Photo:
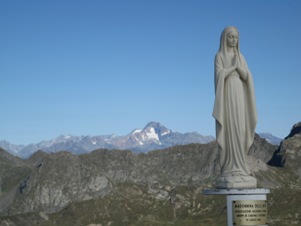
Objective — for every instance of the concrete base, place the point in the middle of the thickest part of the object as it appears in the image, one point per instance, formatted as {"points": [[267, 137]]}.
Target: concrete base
{"points": [[249, 216], [238, 182]]}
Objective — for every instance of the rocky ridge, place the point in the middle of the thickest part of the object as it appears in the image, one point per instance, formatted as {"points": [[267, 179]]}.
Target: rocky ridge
{"points": [[58, 179]]}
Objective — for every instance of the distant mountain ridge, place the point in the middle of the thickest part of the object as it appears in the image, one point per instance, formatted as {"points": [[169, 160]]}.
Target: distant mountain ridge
{"points": [[270, 138], [153, 136]]}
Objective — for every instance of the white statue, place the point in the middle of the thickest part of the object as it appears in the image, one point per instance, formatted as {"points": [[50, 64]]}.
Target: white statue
{"points": [[234, 112]]}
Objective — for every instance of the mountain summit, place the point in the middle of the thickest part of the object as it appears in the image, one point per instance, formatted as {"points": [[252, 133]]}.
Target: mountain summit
{"points": [[156, 136], [151, 133], [157, 128]]}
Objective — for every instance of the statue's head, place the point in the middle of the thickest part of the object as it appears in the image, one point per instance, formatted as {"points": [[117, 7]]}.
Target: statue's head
{"points": [[225, 42]]}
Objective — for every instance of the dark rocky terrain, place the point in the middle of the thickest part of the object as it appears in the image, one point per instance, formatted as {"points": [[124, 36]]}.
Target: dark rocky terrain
{"points": [[163, 187]]}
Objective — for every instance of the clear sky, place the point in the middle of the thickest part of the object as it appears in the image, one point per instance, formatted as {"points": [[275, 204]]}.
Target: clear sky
{"points": [[100, 67]]}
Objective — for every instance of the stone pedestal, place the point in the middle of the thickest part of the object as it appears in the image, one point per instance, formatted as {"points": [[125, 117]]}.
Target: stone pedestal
{"points": [[236, 182], [245, 207]]}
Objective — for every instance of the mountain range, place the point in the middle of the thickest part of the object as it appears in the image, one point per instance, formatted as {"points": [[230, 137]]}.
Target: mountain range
{"points": [[153, 136], [270, 138]]}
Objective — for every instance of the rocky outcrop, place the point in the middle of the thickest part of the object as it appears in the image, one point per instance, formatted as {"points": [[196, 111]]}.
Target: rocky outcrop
{"points": [[262, 149], [61, 179], [289, 151], [13, 171], [64, 178]]}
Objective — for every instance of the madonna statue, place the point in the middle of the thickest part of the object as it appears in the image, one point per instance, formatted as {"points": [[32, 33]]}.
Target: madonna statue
{"points": [[234, 112]]}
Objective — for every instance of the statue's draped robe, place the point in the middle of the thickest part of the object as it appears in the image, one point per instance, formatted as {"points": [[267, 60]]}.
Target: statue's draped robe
{"points": [[235, 115]]}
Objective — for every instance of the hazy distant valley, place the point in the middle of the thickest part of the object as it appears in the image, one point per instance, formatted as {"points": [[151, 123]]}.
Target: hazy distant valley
{"points": [[162, 187]]}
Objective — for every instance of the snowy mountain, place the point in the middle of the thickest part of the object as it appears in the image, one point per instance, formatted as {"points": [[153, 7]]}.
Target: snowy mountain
{"points": [[152, 136], [12, 148], [270, 138]]}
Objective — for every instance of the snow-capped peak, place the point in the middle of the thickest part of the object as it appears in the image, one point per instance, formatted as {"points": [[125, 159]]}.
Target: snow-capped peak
{"points": [[151, 134], [159, 129], [136, 131]]}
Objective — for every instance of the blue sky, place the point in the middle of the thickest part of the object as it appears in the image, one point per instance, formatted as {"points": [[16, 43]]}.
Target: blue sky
{"points": [[100, 67]]}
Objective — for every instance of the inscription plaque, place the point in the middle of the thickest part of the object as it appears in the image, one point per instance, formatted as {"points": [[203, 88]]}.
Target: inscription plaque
{"points": [[249, 212]]}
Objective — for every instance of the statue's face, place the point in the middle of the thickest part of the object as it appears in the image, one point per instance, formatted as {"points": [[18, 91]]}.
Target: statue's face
{"points": [[232, 39]]}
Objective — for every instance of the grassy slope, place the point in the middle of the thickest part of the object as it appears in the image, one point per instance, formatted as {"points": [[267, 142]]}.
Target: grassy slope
{"points": [[134, 205]]}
